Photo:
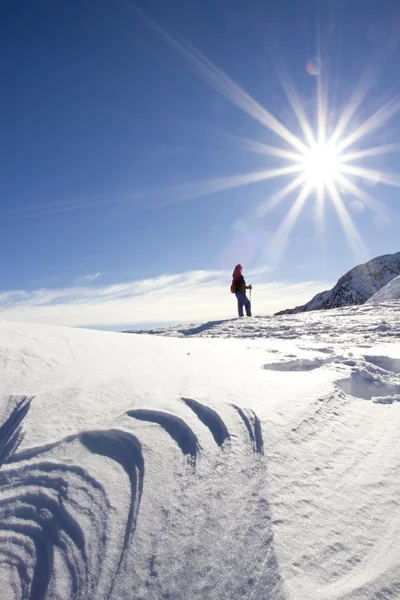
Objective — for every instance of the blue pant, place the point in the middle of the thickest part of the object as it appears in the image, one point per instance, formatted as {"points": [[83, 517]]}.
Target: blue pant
{"points": [[243, 300]]}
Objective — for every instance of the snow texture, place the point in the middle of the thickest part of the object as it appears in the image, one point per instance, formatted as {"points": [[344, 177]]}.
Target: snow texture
{"points": [[251, 458], [356, 286]]}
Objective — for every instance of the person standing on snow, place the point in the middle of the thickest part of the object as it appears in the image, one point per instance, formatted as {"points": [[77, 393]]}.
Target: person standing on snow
{"points": [[240, 293]]}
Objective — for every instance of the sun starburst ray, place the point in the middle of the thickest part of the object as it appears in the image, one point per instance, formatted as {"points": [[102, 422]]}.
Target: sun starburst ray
{"points": [[375, 205], [275, 199], [222, 83], [321, 114], [191, 191], [379, 118], [261, 148], [319, 207], [315, 159], [294, 101], [349, 229], [372, 175], [352, 107], [321, 106], [279, 240], [367, 80], [369, 152]]}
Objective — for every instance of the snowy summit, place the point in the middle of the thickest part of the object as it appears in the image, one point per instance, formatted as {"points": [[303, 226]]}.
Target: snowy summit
{"points": [[254, 458], [356, 286]]}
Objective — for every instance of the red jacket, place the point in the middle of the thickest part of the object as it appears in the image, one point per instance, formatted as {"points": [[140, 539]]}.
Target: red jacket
{"points": [[240, 284]]}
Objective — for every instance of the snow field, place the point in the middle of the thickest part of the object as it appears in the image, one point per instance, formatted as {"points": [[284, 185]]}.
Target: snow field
{"points": [[261, 463]]}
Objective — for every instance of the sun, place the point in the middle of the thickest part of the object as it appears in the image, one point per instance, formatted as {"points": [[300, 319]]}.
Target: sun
{"points": [[321, 164], [324, 157]]}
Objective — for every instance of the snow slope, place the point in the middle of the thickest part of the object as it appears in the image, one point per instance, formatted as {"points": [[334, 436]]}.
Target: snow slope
{"points": [[356, 286], [254, 458], [391, 291]]}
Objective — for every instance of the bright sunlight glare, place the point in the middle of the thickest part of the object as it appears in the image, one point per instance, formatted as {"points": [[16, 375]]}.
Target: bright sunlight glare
{"points": [[320, 168], [321, 165]]}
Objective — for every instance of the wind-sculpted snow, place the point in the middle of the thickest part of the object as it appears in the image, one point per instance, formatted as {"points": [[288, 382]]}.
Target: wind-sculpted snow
{"points": [[174, 426], [37, 513], [319, 416], [55, 517], [201, 552], [150, 468], [65, 532], [185, 437], [211, 419], [253, 426], [125, 449], [11, 430]]}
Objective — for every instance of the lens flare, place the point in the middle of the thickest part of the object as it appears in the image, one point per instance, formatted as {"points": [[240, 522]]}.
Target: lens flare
{"points": [[313, 67]]}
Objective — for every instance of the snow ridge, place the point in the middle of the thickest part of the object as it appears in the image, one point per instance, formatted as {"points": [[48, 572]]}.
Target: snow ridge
{"points": [[211, 419], [174, 426]]}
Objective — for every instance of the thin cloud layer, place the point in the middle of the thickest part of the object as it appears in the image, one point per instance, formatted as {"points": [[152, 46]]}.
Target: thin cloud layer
{"points": [[191, 296], [87, 278]]}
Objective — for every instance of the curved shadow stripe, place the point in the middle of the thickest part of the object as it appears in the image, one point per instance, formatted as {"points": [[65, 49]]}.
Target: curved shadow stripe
{"points": [[37, 508], [39, 504], [125, 449], [258, 435], [174, 426], [11, 430], [50, 520], [246, 421], [210, 419], [253, 426]]}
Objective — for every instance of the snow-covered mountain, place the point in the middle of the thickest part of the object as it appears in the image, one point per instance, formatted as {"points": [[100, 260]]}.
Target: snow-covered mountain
{"points": [[356, 286], [251, 459], [391, 291]]}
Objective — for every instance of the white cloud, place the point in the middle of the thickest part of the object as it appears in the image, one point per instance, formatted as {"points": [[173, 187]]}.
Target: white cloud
{"points": [[191, 296]]}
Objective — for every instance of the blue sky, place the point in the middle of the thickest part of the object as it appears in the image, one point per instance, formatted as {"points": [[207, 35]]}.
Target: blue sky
{"points": [[126, 127]]}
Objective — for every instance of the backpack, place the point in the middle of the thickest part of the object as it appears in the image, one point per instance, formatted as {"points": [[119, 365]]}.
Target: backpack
{"points": [[233, 288]]}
